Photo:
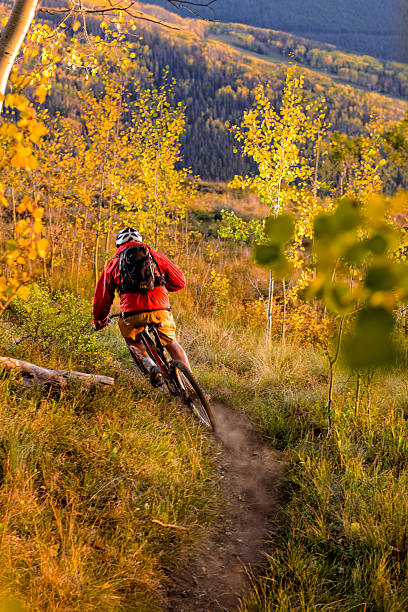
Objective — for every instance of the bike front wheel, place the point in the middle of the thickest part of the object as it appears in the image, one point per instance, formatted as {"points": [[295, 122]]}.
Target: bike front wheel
{"points": [[193, 396]]}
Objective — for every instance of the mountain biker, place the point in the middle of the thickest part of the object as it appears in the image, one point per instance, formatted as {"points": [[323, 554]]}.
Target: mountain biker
{"points": [[141, 308]]}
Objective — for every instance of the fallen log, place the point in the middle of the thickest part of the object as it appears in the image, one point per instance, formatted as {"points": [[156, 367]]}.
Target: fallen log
{"points": [[63, 377]]}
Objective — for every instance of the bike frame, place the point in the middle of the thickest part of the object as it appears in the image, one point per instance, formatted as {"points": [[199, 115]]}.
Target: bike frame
{"points": [[155, 350], [170, 371]]}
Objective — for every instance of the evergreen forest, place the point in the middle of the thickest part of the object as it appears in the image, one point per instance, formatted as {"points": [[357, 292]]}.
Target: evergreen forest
{"points": [[367, 27]]}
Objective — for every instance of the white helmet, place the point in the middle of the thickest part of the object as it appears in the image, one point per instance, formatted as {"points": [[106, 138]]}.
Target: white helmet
{"points": [[129, 234]]}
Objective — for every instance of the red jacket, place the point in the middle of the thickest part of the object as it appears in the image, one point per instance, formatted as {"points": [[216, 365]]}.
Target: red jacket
{"points": [[157, 299]]}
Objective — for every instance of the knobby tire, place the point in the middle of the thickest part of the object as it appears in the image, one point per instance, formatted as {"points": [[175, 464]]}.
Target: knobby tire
{"points": [[195, 397]]}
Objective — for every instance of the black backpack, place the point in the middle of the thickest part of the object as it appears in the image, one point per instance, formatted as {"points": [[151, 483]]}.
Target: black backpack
{"points": [[137, 270]]}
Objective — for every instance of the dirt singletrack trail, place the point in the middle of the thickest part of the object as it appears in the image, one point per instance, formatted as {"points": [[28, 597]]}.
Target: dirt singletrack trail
{"points": [[215, 575]]}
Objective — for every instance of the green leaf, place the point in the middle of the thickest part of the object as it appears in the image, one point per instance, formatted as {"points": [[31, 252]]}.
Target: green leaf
{"points": [[267, 255], [272, 257], [381, 278], [345, 218], [356, 254], [371, 343], [279, 230], [378, 244], [338, 298], [11, 245]]}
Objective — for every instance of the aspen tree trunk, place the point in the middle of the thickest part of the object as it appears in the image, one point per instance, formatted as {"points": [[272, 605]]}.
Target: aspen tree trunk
{"points": [[155, 210], [186, 235], [316, 170], [98, 222], [13, 202], [284, 313], [108, 233], [81, 249], [12, 38], [269, 313]]}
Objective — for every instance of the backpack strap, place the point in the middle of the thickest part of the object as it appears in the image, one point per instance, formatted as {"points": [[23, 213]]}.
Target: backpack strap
{"points": [[158, 267]]}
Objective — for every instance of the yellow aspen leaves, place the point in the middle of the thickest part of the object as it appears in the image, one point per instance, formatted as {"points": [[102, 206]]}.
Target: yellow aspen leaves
{"points": [[23, 158], [23, 292], [40, 93], [37, 227], [3, 200], [42, 248], [27, 244]]}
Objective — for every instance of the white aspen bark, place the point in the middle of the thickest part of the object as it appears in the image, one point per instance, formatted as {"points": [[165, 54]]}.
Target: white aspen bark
{"points": [[269, 313], [12, 38]]}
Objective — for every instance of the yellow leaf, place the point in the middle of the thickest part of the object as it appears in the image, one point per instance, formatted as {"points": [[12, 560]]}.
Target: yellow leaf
{"points": [[38, 213], [40, 93], [23, 292], [28, 203], [21, 227], [42, 247], [17, 101], [23, 158], [76, 25], [37, 130], [38, 227]]}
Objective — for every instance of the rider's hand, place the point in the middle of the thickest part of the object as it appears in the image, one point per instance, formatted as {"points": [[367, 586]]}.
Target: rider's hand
{"points": [[101, 324]]}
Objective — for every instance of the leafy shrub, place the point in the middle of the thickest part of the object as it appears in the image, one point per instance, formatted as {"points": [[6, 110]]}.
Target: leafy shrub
{"points": [[58, 322]]}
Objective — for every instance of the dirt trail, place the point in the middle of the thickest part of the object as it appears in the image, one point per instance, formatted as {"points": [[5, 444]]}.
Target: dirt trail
{"points": [[215, 575]]}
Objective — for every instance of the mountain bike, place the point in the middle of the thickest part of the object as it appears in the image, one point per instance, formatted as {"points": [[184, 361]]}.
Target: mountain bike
{"points": [[179, 380]]}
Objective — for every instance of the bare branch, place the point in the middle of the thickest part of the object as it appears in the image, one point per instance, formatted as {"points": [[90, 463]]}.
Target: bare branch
{"points": [[119, 7], [112, 10]]}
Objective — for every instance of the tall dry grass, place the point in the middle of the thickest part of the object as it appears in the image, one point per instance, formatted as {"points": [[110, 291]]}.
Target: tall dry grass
{"points": [[85, 473]]}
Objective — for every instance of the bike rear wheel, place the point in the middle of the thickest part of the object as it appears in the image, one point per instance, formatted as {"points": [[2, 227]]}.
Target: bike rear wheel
{"points": [[193, 395]]}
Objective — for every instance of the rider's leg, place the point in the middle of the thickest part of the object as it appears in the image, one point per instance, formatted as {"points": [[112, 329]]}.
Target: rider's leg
{"points": [[140, 351], [177, 352], [137, 347]]}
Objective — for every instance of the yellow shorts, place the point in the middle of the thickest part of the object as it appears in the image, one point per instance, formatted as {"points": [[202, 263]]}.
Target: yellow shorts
{"points": [[131, 327]]}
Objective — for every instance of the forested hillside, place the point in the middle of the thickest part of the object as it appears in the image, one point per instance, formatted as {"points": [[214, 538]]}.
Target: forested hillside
{"points": [[362, 70], [215, 82], [367, 26]]}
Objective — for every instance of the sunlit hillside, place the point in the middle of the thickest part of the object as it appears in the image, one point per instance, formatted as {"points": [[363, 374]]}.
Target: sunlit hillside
{"points": [[216, 79], [369, 27]]}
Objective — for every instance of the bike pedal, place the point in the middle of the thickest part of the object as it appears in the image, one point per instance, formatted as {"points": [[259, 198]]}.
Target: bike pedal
{"points": [[156, 377]]}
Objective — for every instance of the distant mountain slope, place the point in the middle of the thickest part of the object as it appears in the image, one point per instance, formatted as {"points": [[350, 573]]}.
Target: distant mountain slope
{"points": [[364, 71], [215, 81], [367, 26]]}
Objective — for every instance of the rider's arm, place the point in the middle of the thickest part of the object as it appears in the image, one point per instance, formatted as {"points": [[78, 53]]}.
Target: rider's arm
{"points": [[173, 275], [104, 295]]}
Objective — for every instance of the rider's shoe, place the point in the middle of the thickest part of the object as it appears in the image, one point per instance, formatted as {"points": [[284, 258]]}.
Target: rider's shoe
{"points": [[156, 378]]}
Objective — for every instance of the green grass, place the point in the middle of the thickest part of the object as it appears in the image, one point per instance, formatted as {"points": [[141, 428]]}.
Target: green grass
{"points": [[343, 544], [84, 474]]}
